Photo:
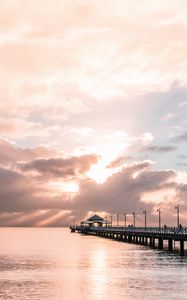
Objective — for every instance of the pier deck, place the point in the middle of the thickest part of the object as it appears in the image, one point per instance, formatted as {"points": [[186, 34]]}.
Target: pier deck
{"points": [[150, 236]]}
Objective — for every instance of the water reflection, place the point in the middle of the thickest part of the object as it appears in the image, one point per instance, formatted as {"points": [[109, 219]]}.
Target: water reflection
{"points": [[55, 264], [98, 272]]}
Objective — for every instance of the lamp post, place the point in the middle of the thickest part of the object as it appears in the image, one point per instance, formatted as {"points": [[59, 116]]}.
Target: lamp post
{"points": [[177, 208], [111, 220], [145, 213], [134, 223], [159, 217], [125, 219], [74, 220], [117, 219], [106, 220]]}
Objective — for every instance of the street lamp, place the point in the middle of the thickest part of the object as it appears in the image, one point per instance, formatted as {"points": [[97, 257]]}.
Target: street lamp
{"points": [[125, 219], [159, 217], [111, 220], [106, 220], [117, 219], [177, 208], [145, 213], [74, 220], [133, 219]]}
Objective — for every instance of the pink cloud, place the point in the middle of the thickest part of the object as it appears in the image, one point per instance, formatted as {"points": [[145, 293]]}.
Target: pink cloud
{"points": [[12, 154]]}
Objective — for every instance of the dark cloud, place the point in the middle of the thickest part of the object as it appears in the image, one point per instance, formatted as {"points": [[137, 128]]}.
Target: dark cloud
{"points": [[161, 149], [21, 193], [123, 191], [61, 167], [26, 201]]}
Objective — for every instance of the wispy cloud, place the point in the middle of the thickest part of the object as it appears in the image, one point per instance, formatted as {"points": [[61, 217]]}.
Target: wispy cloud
{"points": [[181, 137], [161, 149]]}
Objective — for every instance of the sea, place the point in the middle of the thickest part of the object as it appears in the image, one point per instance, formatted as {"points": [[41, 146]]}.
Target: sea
{"points": [[53, 263]]}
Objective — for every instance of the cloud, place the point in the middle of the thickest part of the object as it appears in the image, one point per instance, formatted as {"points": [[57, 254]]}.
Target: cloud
{"points": [[84, 131], [124, 191], [33, 203], [181, 137], [18, 193], [183, 104], [119, 161], [161, 149], [9, 153], [61, 167], [170, 116]]}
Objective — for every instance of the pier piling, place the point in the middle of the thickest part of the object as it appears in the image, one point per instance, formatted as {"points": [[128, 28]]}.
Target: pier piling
{"points": [[141, 235]]}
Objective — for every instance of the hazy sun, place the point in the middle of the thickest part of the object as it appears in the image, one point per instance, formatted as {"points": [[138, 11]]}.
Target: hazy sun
{"points": [[68, 187], [71, 187], [100, 171], [108, 151]]}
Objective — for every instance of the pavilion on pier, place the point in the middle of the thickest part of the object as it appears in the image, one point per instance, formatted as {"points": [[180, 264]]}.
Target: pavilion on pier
{"points": [[95, 221]]}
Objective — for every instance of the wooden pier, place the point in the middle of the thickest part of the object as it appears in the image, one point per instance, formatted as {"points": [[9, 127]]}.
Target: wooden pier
{"points": [[149, 236]]}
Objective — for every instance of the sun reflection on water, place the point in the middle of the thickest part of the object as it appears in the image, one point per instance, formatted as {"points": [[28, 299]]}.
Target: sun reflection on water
{"points": [[98, 274]]}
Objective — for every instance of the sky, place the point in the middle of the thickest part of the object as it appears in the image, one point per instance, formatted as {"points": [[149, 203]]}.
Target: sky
{"points": [[93, 111]]}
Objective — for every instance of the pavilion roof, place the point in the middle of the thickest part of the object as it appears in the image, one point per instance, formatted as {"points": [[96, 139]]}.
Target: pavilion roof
{"points": [[95, 218]]}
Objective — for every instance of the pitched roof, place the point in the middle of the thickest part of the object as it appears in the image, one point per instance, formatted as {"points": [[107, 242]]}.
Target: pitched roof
{"points": [[95, 218]]}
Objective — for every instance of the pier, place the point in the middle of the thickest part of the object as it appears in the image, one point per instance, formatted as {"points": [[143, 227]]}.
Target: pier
{"points": [[155, 237]]}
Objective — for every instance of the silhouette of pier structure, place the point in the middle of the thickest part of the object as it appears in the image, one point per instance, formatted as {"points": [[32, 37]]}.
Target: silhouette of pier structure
{"points": [[155, 237]]}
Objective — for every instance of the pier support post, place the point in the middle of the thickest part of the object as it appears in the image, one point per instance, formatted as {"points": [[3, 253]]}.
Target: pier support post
{"points": [[182, 247], [152, 242], [138, 237], [160, 243], [170, 245]]}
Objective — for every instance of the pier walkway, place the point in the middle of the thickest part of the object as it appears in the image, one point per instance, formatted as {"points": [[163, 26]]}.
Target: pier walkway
{"points": [[150, 236]]}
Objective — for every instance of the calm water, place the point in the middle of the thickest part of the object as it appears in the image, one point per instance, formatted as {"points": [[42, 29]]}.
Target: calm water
{"points": [[56, 264]]}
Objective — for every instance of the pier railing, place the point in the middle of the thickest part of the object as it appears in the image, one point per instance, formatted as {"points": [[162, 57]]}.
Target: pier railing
{"points": [[143, 230]]}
